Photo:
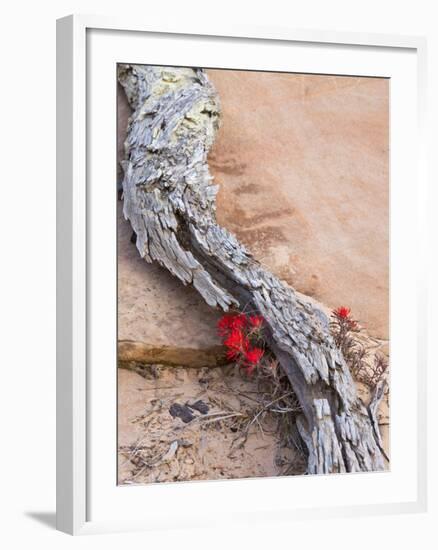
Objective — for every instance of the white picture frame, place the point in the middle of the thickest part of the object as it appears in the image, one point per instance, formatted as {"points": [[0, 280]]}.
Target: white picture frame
{"points": [[87, 49]]}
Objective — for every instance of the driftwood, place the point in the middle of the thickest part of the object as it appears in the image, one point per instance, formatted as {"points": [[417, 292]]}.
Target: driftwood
{"points": [[169, 198]]}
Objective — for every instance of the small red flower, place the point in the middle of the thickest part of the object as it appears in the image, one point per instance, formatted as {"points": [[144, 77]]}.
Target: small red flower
{"points": [[253, 356], [342, 312], [231, 321], [237, 344], [256, 321]]}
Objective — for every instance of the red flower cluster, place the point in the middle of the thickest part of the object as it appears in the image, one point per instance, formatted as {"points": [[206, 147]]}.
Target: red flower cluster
{"points": [[237, 344], [230, 322], [342, 314], [239, 332]]}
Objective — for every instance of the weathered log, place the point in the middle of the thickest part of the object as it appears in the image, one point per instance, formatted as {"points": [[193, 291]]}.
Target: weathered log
{"points": [[373, 408], [170, 200]]}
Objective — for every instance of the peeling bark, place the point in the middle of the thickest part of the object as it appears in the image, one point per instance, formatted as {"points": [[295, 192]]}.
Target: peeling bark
{"points": [[170, 200], [373, 408]]}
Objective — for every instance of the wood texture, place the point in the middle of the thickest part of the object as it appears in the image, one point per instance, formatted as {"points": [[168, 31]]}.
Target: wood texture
{"points": [[140, 352], [169, 198]]}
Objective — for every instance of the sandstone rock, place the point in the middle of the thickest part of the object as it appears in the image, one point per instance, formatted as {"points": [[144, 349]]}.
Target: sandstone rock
{"points": [[302, 163]]}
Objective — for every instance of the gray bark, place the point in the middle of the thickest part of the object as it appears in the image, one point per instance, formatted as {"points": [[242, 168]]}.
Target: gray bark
{"points": [[169, 198]]}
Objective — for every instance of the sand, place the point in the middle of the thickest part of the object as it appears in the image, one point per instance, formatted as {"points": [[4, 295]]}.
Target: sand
{"points": [[155, 447]]}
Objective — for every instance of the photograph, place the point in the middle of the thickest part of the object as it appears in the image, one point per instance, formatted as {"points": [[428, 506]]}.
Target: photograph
{"points": [[252, 274], [228, 218]]}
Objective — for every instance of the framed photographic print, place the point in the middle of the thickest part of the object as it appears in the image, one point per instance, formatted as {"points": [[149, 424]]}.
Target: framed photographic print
{"points": [[235, 210]]}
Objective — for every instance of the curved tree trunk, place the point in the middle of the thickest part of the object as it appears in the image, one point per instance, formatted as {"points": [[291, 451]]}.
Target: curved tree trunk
{"points": [[169, 198]]}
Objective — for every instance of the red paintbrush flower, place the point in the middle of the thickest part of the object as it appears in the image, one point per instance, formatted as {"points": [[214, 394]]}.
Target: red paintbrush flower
{"points": [[229, 322], [238, 333], [342, 312], [253, 356], [237, 344], [256, 321]]}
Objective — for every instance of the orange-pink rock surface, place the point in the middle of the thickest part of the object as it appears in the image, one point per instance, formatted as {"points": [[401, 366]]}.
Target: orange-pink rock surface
{"points": [[302, 162]]}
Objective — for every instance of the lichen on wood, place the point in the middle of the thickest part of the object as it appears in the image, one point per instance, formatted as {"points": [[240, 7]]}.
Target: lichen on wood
{"points": [[170, 201]]}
